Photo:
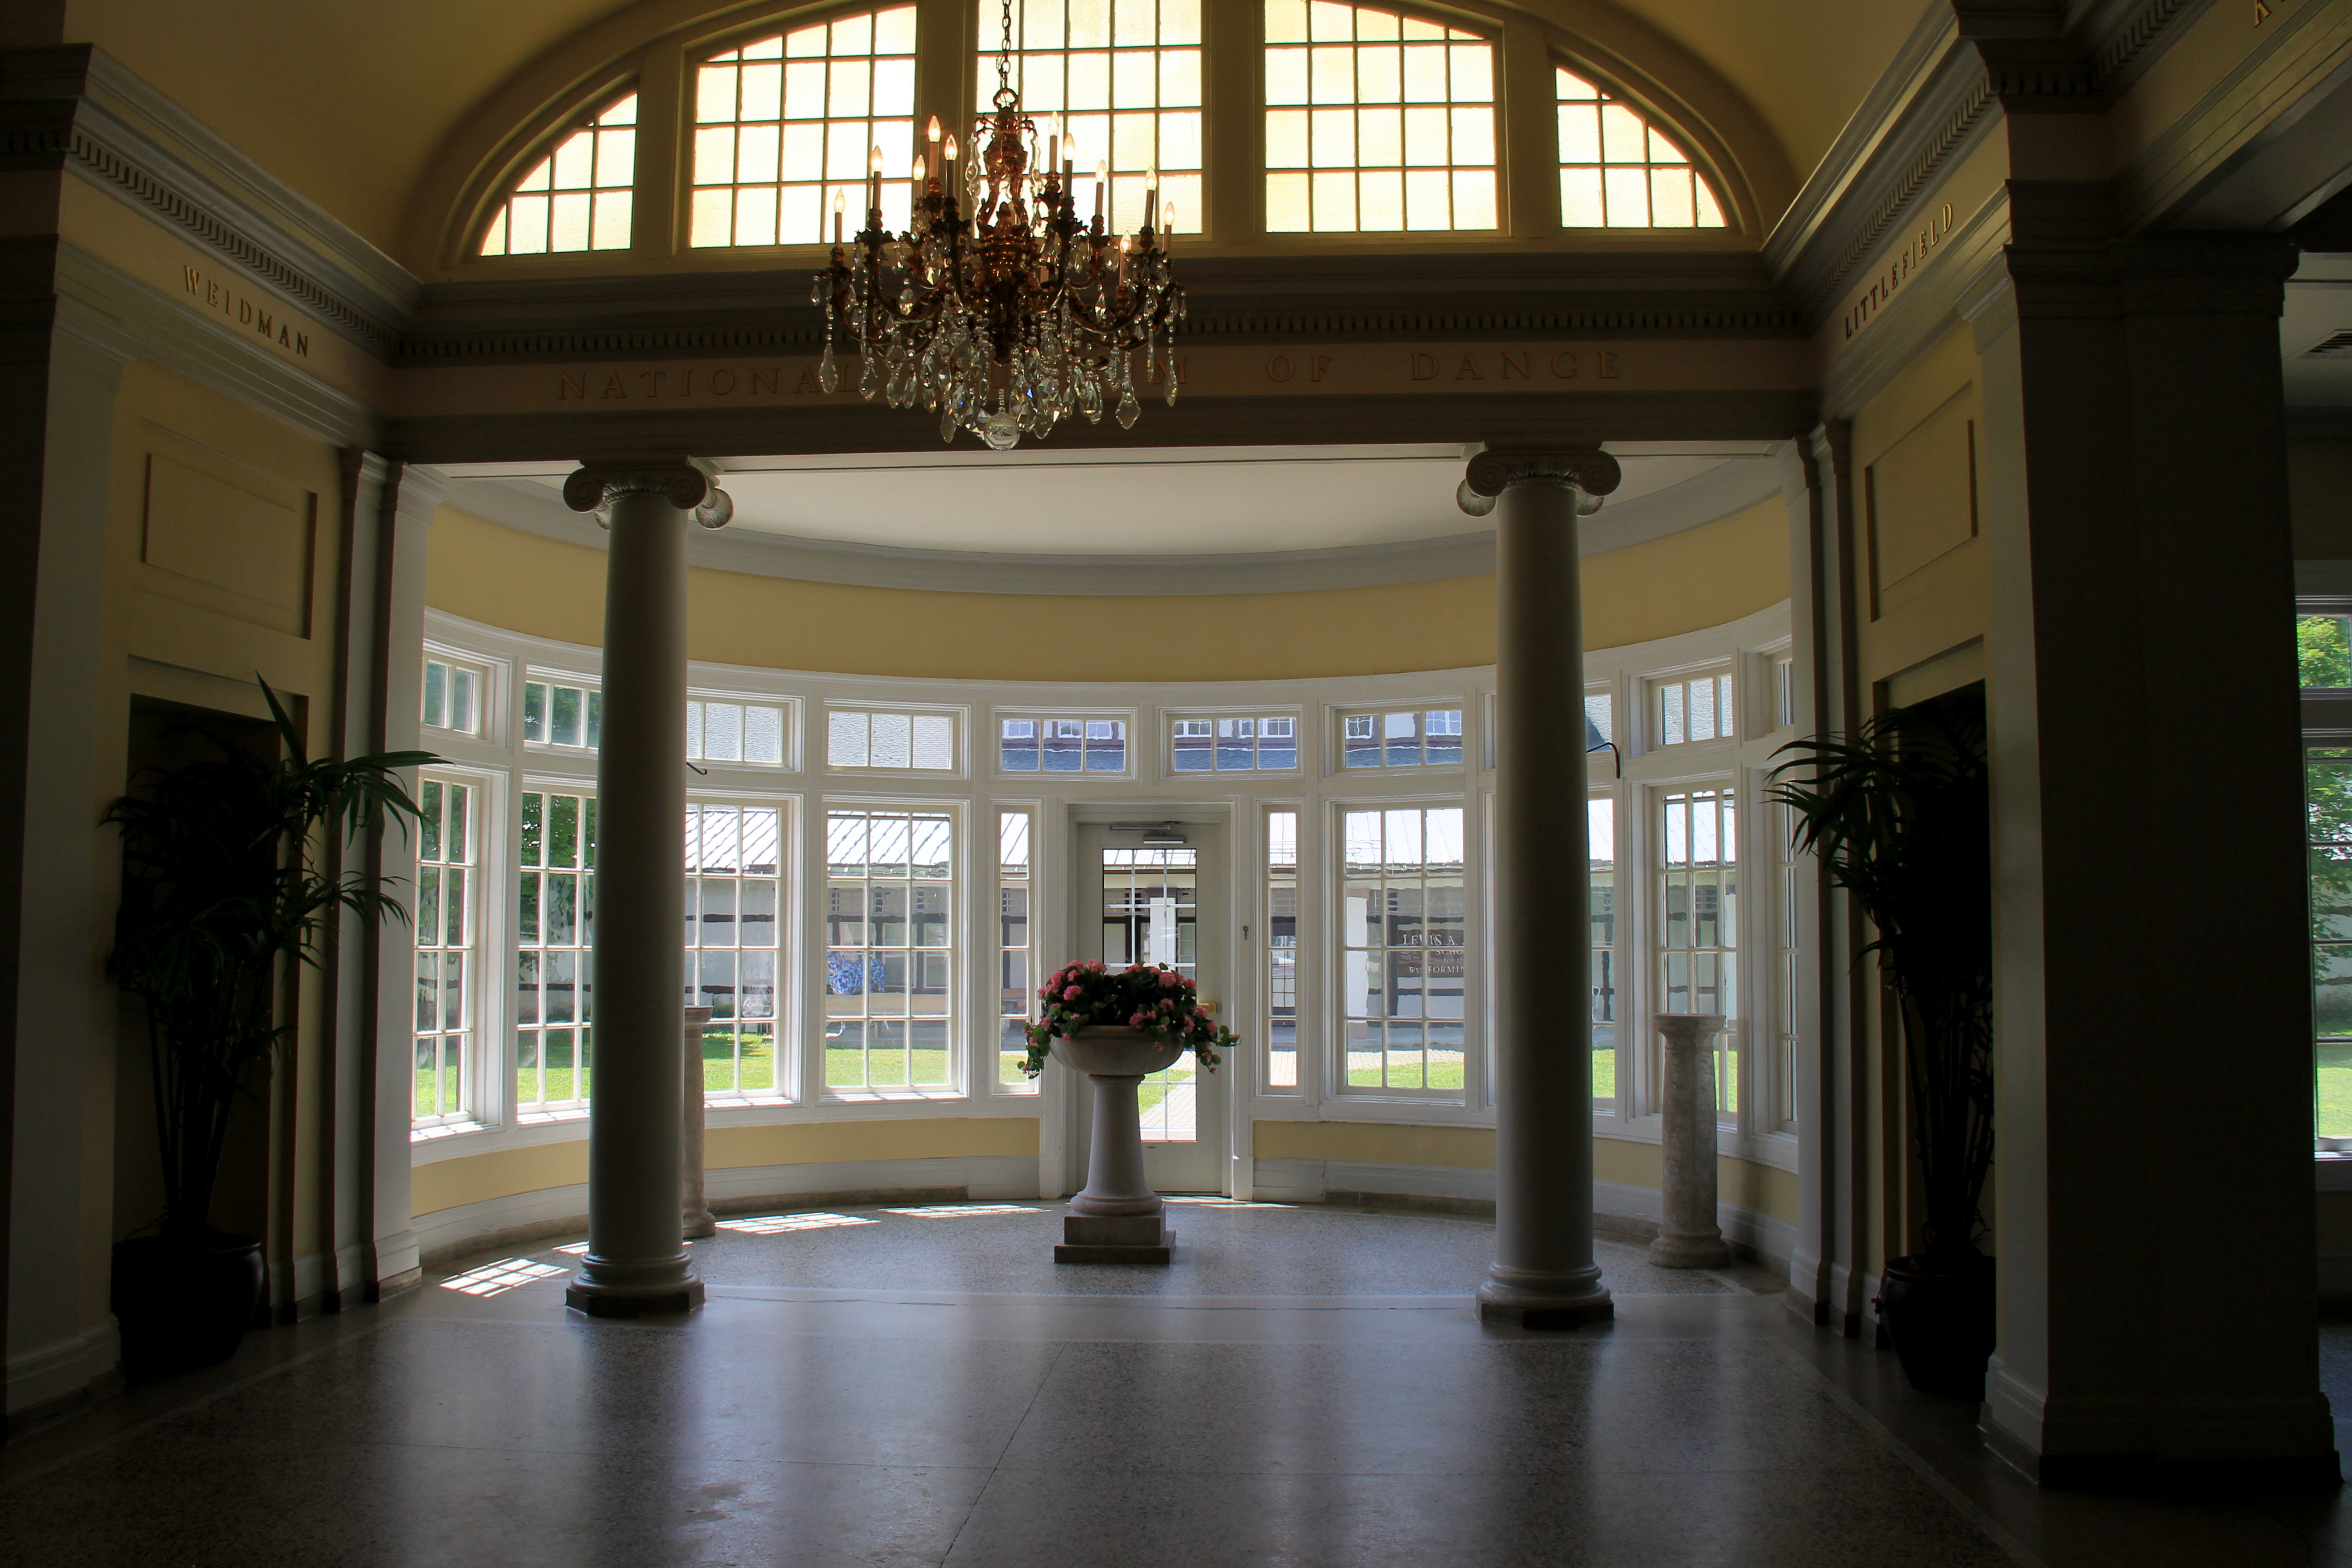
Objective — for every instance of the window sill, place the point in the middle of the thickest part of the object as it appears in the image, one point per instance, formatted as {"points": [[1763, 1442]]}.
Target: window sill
{"points": [[546, 1118], [2331, 1170], [445, 1129], [891, 1096]]}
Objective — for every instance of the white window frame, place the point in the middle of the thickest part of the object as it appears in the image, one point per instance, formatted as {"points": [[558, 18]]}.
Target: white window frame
{"points": [[1652, 687], [789, 719], [962, 875], [489, 699], [588, 686], [960, 742], [1131, 748], [1334, 736], [483, 1098], [1332, 941], [782, 1090], [1171, 716], [989, 998]]}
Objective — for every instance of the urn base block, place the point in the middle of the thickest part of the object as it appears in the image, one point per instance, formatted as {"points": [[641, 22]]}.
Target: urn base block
{"points": [[1115, 1238]]}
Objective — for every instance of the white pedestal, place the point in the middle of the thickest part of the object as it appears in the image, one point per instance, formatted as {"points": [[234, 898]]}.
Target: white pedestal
{"points": [[1118, 1218], [1689, 1237]]}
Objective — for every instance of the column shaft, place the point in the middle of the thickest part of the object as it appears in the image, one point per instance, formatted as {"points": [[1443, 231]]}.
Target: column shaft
{"points": [[1543, 1275]]}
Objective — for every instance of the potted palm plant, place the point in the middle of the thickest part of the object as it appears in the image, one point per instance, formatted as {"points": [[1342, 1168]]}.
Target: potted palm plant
{"points": [[1900, 816], [228, 884]]}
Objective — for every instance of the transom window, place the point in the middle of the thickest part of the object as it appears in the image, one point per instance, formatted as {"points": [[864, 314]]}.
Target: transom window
{"points": [[577, 197], [556, 714], [1402, 948], [555, 936], [1234, 745], [452, 696], [1061, 745], [923, 742], [1428, 738], [889, 997], [1124, 79], [733, 889], [1618, 171], [788, 124], [1376, 122], [1698, 708], [748, 732]]}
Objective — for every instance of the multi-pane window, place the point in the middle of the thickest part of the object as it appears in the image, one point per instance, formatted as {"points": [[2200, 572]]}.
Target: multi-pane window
{"points": [[923, 742], [1785, 974], [1600, 824], [1124, 78], [1618, 171], [734, 867], [1150, 914], [1784, 693], [2324, 651], [1427, 738], [752, 733], [1016, 966], [556, 714], [1061, 745], [1698, 920], [445, 957], [2327, 792], [1599, 720], [1695, 709], [889, 998], [1282, 950], [1376, 122], [579, 196], [1234, 745], [554, 932], [1401, 947], [452, 697], [785, 126]]}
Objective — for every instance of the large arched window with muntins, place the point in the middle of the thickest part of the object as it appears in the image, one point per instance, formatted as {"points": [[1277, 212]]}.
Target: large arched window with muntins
{"points": [[1376, 121], [1619, 171], [577, 197], [784, 124], [1124, 78]]}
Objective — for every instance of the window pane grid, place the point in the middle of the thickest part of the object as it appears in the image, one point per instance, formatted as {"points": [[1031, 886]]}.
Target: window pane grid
{"points": [[751, 733], [1282, 950], [1124, 76], [1016, 972], [1061, 745], [734, 889], [1402, 948], [577, 197], [1787, 976], [920, 742], [2327, 791], [1698, 920], [452, 697], [555, 715], [1686, 710], [1600, 824], [1618, 171], [1150, 914], [445, 950], [1428, 738], [1376, 122], [1232, 745], [555, 937], [888, 959], [786, 124], [2324, 651]]}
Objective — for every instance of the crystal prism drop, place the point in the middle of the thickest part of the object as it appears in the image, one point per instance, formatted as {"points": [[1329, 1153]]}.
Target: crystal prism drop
{"points": [[870, 382], [828, 375], [947, 425], [1003, 433], [1171, 390], [1128, 409]]}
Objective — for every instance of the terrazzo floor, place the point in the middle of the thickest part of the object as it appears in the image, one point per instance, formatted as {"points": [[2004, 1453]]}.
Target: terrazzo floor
{"points": [[1306, 1386]]}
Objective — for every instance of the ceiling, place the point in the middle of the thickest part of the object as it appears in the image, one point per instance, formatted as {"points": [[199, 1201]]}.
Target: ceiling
{"points": [[1149, 502], [350, 101]]}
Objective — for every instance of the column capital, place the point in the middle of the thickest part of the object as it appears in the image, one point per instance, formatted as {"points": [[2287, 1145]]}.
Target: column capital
{"points": [[1589, 468], [690, 484]]}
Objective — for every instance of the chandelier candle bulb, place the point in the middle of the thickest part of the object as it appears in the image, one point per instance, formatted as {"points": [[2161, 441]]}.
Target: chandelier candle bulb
{"points": [[1102, 183]]}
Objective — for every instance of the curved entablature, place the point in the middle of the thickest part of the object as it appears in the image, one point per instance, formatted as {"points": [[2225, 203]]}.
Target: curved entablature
{"points": [[1275, 126]]}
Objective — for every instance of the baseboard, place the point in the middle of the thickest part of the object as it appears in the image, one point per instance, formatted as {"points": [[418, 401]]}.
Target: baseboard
{"points": [[1628, 1211], [62, 1373], [448, 1234]]}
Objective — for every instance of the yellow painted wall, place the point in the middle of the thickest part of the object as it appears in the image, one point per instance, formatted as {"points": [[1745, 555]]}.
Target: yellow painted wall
{"points": [[1761, 1189], [1686, 581], [472, 1178]]}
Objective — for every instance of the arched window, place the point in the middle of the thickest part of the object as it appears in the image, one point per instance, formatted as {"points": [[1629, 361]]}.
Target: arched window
{"points": [[1126, 77], [577, 197], [1618, 171], [784, 124], [1375, 121]]}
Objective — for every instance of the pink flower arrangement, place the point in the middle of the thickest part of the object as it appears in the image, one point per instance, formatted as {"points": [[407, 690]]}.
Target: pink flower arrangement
{"points": [[1157, 1003]]}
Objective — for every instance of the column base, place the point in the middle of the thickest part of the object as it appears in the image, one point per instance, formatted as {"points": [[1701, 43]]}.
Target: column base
{"points": [[607, 1290], [1690, 1252], [699, 1224], [1104, 1239], [1546, 1303]]}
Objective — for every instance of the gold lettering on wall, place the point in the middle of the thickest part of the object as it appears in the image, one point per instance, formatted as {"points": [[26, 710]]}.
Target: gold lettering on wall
{"points": [[1899, 268], [257, 316]]}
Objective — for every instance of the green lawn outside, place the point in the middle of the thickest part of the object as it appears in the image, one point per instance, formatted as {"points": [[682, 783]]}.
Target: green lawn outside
{"points": [[2335, 1091], [1148, 1095], [847, 1069], [1404, 1071]]}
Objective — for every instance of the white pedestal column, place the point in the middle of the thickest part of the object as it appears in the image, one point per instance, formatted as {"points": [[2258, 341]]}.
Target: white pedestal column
{"points": [[1690, 1237], [698, 1220], [1543, 1276], [635, 1261]]}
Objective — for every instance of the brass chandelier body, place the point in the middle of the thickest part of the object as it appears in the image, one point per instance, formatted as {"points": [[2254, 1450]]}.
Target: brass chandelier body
{"points": [[1000, 308]]}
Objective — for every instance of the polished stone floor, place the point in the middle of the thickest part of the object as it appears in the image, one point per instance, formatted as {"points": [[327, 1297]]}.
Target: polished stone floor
{"points": [[1306, 1386]]}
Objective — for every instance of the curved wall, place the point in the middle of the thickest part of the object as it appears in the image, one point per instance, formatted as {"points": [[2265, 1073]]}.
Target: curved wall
{"points": [[1686, 582]]}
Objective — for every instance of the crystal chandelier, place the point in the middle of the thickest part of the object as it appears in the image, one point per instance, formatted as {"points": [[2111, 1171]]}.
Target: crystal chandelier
{"points": [[1017, 316]]}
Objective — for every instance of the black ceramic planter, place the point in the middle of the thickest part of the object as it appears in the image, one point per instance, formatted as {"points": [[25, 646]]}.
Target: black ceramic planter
{"points": [[1941, 1324], [183, 1305]]}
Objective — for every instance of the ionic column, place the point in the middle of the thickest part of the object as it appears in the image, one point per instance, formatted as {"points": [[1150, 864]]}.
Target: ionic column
{"points": [[1543, 1276], [635, 1261]]}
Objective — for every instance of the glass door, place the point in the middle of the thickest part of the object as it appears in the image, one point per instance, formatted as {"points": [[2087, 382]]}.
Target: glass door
{"points": [[1161, 903]]}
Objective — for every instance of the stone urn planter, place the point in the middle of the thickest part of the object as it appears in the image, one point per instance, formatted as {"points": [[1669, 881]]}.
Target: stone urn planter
{"points": [[1118, 1218]]}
